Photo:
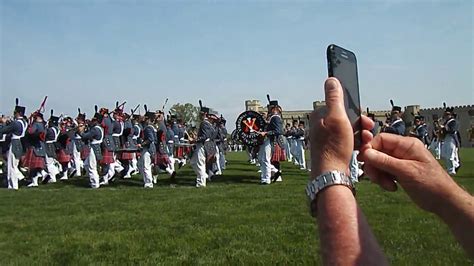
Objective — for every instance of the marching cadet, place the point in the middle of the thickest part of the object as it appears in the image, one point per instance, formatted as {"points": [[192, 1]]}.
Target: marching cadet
{"points": [[181, 153], [17, 130], [299, 147], [117, 132], [148, 149], [127, 154], [3, 144], [396, 125], [377, 124], [452, 141], [78, 145], [271, 152], [108, 150], [435, 145], [205, 149], [94, 136], [64, 147], [35, 153], [52, 134], [289, 139], [163, 148], [137, 130], [214, 168], [293, 143], [420, 130], [222, 142]]}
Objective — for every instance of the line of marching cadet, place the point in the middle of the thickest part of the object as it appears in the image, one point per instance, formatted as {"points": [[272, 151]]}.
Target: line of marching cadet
{"points": [[109, 145], [444, 141]]}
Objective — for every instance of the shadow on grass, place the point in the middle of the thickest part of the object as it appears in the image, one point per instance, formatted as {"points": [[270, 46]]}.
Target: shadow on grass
{"points": [[235, 178]]}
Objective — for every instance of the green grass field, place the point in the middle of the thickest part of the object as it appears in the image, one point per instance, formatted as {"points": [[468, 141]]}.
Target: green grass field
{"points": [[234, 220]]}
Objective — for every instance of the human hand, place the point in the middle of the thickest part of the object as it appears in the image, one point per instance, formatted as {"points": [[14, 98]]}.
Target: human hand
{"points": [[331, 133], [389, 158]]}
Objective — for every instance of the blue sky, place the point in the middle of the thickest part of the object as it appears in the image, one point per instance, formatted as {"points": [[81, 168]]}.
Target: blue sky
{"points": [[82, 53]]}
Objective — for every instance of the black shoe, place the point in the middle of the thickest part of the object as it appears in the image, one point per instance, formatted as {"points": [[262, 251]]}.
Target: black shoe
{"points": [[72, 173], [46, 179], [457, 168], [180, 164], [276, 176], [173, 177]]}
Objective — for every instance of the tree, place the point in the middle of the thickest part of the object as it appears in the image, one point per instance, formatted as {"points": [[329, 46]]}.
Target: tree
{"points": [[188, 112]]}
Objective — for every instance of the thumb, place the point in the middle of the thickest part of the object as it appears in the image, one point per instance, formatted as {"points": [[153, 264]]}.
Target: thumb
{"points": [[384, 162], [334, 97]]}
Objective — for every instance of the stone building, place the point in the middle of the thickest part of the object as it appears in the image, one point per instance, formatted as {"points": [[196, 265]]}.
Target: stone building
{"points": [[465, 116]]}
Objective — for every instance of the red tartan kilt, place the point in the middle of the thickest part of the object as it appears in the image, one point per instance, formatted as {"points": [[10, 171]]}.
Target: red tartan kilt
{"points": [[126, 155], [188, 150], [32, 161], [62, 156], [180, 152], [107, 157], [85, 151], [278, 154], [161, 159]]}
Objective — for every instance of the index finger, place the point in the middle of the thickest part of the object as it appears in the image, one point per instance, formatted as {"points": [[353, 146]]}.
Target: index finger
{"points": [[399, 146]]}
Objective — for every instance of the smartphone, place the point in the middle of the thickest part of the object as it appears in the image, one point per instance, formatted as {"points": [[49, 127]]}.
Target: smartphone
{"points": [[342, 64]]}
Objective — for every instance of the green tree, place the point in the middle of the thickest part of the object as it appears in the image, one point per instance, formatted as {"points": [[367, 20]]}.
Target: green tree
{"points": [[188, 112]]}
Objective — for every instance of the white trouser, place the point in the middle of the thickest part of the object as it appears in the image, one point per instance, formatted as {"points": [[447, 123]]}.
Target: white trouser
{"points": [[91, 168], [133, 165], [217, 165], [170, 167], [299, 150], [289, 156], [198, 163], [435, 148], [222, 160], [52, 168], [114, 167], [78, 164], [354, 167], [449, 154], [144, 165], [13, 173], [134, 162], [265, 156], [34, 180]]}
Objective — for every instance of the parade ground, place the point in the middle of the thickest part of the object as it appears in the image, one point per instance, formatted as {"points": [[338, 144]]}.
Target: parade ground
{"points": [[234, 220]]}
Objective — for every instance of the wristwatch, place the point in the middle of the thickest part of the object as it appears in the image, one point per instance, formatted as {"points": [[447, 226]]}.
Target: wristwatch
{"points": [[323, 181]]}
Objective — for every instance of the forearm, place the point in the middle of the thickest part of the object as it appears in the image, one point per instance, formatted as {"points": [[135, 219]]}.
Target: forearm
{"points": [[345, 236], [458, 214]]}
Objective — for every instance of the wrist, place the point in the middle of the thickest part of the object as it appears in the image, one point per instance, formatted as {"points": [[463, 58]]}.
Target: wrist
{"points": [[321, 185], [324, 168], [453, 199]]}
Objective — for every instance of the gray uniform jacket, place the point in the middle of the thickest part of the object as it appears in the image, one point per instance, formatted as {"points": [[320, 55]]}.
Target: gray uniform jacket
{"points": [[451, 127], [35, 132], [95, 136], [16, 130], [107, 125], [149, 139], [396, 127], [52, 134], [206, 136]]}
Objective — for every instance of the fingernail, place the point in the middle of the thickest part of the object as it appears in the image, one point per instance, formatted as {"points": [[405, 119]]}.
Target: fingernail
{"points": [[331, 84]]}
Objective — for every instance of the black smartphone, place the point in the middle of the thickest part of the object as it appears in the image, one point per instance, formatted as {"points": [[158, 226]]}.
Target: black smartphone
{"points": [[342, 64]]}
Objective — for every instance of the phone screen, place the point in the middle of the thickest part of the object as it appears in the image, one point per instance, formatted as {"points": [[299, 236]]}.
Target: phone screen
{"points": [[342, 64]]}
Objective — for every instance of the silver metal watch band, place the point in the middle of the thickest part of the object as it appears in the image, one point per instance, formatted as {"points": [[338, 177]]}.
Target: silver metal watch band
{"points": [[323, 181]]}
